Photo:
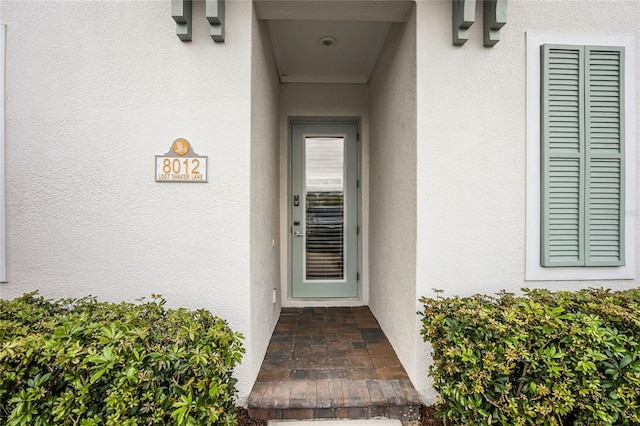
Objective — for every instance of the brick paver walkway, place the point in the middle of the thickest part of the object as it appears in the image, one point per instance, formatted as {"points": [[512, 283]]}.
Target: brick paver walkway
{"points": [[331, 363]]}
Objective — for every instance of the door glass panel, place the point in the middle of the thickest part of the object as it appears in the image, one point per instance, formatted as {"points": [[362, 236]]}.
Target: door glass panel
{"points": [[324, 201]]}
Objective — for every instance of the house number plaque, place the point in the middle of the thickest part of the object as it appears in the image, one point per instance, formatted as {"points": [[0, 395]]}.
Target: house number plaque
{"points": [[181, 164]]}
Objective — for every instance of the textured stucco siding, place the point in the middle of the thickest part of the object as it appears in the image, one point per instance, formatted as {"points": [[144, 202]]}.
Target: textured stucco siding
{"points": [[472, 129], [96, 89], [393, 191], [265, 214]]}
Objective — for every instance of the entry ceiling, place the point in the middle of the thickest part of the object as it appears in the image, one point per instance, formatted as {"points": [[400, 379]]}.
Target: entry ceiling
{"points": [[359, 27], [301, 56]]}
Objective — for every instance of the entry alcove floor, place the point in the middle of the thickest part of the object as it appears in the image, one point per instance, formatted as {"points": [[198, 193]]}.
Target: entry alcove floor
{"points": [[331, 363]]}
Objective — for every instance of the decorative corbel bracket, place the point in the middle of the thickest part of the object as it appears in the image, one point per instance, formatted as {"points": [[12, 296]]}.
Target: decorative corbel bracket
{"points": [[181, 12], [215, 16], [495, 16], [464, 15]]}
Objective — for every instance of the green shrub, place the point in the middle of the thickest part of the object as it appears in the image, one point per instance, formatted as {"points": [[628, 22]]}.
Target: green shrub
{"points": [[82, 362], [545, 358]]}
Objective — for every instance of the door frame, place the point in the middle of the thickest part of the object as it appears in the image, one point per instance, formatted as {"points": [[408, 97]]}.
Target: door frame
{"points": [[289, 300]]}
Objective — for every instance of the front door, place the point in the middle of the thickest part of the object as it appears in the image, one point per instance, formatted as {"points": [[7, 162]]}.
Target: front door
{"points": [[324, 210]]}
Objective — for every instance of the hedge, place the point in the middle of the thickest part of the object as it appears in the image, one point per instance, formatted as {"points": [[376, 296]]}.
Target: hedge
{"points": [[83, 362], [549, 358]]}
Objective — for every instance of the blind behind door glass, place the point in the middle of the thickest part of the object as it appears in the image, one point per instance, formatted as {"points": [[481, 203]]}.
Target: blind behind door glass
{"points": [[324, 201]]}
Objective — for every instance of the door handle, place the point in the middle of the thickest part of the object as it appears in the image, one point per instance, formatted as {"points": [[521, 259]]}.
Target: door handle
{"points": [[298, 234]]}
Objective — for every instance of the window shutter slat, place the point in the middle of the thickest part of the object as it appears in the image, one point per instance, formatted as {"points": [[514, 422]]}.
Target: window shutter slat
{"points": [[604, 112], [562, 186]]}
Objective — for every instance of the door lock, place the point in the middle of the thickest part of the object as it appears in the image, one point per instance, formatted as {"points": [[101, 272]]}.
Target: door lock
{"points": [[296, 200]]}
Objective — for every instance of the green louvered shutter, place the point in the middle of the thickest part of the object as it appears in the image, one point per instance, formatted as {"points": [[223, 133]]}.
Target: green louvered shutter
{"points": [[562, 184], [604, 114], [582, 185]]}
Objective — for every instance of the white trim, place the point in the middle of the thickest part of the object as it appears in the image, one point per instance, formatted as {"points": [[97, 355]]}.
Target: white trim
{"points": [[533, 271], [3, 228]]}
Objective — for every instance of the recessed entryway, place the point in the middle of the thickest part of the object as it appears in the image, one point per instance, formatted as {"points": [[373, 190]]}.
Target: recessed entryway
{"points": [[318, 260]]}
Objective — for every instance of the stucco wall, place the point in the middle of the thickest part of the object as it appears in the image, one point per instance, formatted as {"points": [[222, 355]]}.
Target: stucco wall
{"points": [[265, 214], [472, 132], [94, 91], [472, 144], [393, 191], [328, 101]]}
